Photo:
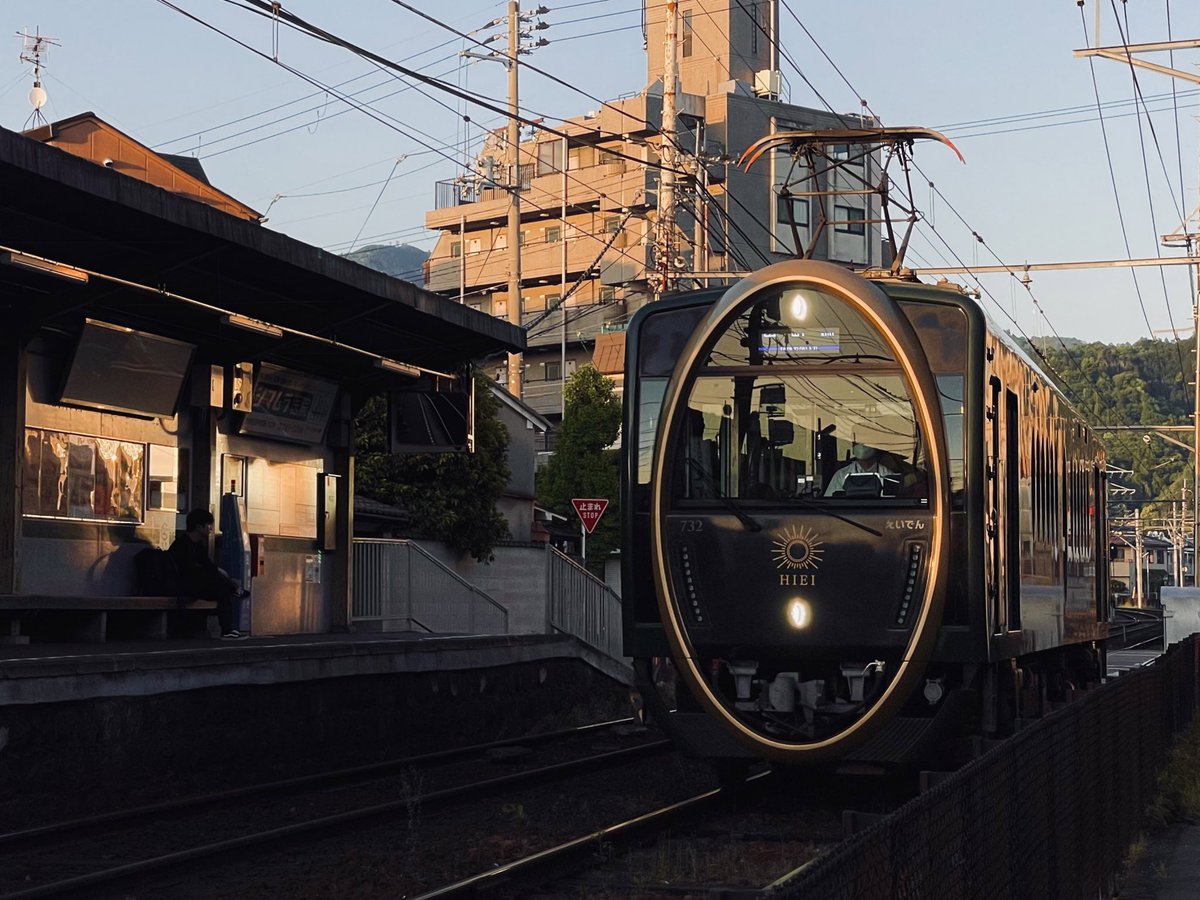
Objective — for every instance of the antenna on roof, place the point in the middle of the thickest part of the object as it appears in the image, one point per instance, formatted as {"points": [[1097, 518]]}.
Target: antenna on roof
{"points": [[33, 51]]}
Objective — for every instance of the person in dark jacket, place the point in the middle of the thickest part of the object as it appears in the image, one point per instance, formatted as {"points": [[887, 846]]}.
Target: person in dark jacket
{"points": [[199, 576]]}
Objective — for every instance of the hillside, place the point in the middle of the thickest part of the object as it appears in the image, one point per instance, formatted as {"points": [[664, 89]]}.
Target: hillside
{"points": [[1144, 383], [402, 261]]}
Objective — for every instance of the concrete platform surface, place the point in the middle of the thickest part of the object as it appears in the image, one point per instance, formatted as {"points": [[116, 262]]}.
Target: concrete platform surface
{"points": [[48, 673]]}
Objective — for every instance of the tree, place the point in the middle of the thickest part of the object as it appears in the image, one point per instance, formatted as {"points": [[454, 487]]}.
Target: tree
{"points": [[451, 497], [582, 466]]}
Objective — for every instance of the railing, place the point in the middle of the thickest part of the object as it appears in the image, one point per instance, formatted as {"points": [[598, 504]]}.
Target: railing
{"points": [[448, 194], [1050, 812], [401, 587], [580, 604]]}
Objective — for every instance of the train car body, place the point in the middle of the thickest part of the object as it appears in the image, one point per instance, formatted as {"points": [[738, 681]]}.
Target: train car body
{"points": [[858, 520]]}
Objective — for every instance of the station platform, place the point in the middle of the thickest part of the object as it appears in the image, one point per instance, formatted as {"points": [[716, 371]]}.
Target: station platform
{"points": [[86, 728], [48, 673], [1123, 661]]}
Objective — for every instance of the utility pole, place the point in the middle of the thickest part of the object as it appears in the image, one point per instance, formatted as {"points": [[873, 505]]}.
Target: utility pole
{"points": [[665, 245], [514, 192], [512, 158], [1177, 536], [1137, 553], [562, 293]]}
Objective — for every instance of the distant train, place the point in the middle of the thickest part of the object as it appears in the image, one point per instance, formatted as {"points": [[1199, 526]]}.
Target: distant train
{"points": [[859, 521]]}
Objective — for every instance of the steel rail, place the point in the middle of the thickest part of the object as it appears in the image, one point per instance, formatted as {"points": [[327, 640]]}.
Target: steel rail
{"points": [[563, 854], [196, 802], [434, 799]]}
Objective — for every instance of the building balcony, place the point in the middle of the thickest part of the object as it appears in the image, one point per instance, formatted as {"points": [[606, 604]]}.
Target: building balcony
{"points": [[611, 186], [538, 261]]}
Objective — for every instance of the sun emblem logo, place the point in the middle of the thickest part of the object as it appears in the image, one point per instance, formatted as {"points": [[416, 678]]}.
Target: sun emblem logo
{"points": [[797, 548]]}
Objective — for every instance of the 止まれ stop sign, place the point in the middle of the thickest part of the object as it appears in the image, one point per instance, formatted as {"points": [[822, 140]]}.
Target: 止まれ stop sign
{"points": [[589, 511]]}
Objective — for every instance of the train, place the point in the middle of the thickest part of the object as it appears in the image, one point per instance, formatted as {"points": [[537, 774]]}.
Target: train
{"points": [[860, 524]]}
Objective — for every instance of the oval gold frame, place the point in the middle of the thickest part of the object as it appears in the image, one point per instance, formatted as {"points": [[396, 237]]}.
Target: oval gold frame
{"points": [[880, 311]]}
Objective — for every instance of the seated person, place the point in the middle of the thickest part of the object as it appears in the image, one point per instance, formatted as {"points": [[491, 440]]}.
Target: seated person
{"points": [[199, 576], [865, 461]]}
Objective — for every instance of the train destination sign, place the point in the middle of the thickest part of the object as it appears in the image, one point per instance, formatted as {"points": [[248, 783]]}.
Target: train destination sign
{"points": [[789, 341], [589, 511]]}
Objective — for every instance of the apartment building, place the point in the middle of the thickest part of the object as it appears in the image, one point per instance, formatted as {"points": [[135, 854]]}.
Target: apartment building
{"points": [[589, 200]]}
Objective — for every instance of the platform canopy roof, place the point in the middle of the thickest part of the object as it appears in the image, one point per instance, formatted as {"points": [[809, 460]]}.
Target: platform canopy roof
{"points": [[78, 213]]}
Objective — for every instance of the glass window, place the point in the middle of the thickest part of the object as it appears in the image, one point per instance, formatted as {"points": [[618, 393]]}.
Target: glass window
{"points": [[844, 153], [796, 325], [802, 398], [553, 234], [456, 248], [686, 38], [790, 209], [74, 476], [950, 393], [553, 371], [848, 436], [849, 220], [549, 157]]}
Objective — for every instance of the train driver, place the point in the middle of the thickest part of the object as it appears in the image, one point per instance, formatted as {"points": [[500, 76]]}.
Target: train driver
{"points": [[866, 460]]}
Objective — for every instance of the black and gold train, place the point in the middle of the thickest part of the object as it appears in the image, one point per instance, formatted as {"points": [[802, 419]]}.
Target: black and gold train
{"points": [[859, 521]]}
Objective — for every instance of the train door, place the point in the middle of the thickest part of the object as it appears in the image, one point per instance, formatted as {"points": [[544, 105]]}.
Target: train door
{"points": [[1012, 511], [996, 470], [1100, 541]]}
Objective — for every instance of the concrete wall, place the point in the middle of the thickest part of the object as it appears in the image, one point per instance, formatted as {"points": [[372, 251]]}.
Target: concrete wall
{"points": [[60, 556], [516, 578], [74, 758], [73, 557]]}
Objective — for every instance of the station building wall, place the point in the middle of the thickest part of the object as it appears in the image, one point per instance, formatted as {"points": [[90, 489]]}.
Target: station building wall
{"points": [[98, 487]]}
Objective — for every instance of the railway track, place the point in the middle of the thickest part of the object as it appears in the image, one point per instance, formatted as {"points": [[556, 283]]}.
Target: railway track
{"points": [[57, 860], [1133, 629], [740, 841]]}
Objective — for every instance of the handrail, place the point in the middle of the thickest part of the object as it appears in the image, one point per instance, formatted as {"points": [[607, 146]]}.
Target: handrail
{"points": [[399, 584], [587, 609], [462, 581]]}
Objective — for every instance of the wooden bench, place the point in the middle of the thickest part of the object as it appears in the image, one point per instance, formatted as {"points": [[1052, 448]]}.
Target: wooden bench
{"points": [[87, 618]]}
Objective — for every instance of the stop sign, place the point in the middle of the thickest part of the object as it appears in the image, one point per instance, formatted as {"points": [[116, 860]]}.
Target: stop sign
{"points": [[589, 510]]}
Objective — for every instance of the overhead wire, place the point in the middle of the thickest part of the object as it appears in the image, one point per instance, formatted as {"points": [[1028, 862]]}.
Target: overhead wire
{"points": [[1178, 142], [974, 233], [263, 7], [1149, 192], [383, 119], [1116, 192]]}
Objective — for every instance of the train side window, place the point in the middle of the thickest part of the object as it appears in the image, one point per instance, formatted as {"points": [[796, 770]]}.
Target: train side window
{"points": [[950, 392], [662, 338]]}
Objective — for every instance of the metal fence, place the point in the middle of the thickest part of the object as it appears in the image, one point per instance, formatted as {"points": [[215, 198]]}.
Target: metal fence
{"points": [[1049, 813], [398, 586], [580, 604]]}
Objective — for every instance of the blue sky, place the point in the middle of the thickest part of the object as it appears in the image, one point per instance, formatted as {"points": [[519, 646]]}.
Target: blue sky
{"points": [[1035, 189]]}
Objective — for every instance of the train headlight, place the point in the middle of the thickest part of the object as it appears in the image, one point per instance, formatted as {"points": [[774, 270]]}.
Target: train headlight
{"points": [[794, 308], [799, 613]]}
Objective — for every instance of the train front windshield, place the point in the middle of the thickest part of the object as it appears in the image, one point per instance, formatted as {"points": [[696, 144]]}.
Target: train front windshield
{"points": [[801, 398]]}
